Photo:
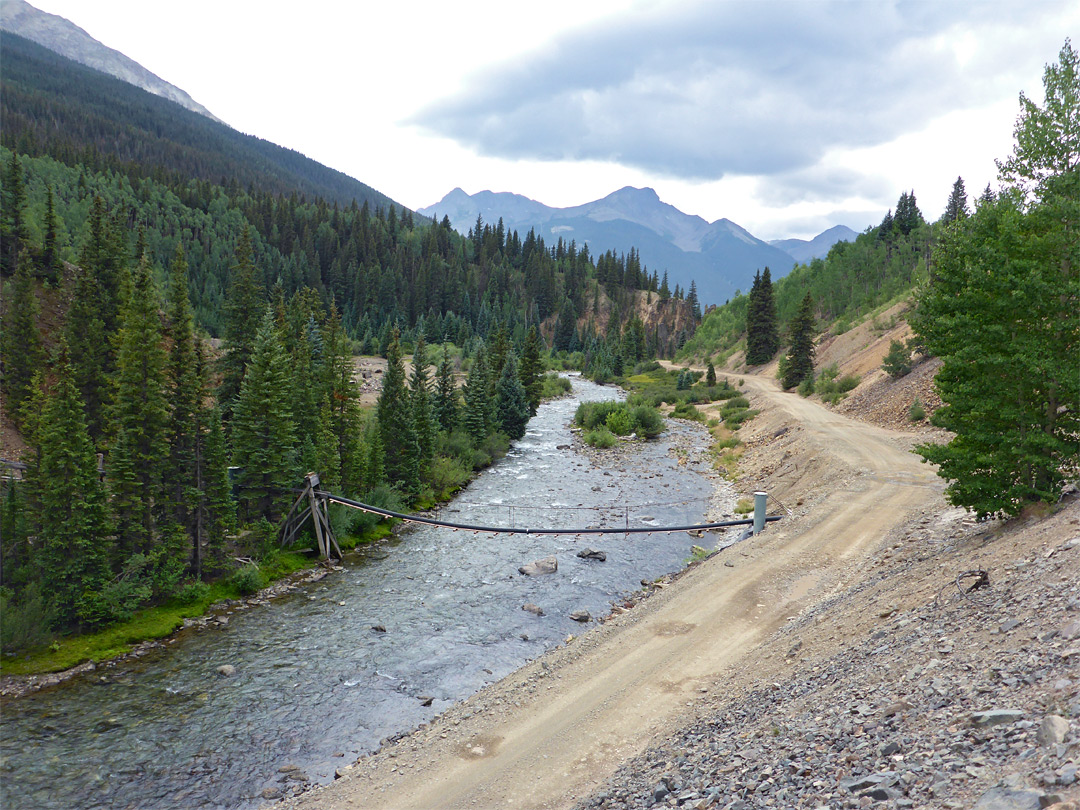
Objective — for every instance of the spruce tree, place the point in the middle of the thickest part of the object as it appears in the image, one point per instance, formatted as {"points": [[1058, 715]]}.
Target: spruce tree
{"points": [[74, 527], [420, 394], [762, 331], [216, 514], [401, 448], [346, 420], [800, 357], [692, 300], [957, 206], [710, 375], [532, 370], [475, 416], [137, 459], [446, 394], [263, 437], [511, 402], [20, 340], [14, 233], [244, 309], [50, 250]]}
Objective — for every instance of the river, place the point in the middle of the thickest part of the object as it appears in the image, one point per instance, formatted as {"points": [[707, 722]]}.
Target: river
{"points": [[315, 685]]}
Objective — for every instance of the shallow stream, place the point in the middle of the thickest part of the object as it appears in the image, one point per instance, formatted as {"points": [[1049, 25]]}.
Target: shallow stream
{"points": [[314, 681]]}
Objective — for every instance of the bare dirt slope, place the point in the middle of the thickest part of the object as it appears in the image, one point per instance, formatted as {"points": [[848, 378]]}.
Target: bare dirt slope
{"points": [[550, 733]]}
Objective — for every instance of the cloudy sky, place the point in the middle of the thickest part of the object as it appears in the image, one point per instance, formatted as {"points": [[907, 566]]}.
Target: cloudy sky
{"points": [[786, 116]]}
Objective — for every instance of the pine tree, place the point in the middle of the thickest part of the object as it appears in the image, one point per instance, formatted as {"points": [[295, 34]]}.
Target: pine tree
{"points": [[397, 428], [244, 310], [475, 417], [692, 300], [957, 206], [20, 341], [762, 332], [74, 529], [800, 357], [665, 291], [14, 233], [137, 459], [420, 395], [446, 394], [216, 515], [710, 375], [346, 421], [263, 433], [511, 403], [50, 251], [532, 370]]}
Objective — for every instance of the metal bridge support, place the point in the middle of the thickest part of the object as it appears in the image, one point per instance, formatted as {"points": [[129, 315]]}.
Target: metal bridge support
{"points": [[759, 511]]}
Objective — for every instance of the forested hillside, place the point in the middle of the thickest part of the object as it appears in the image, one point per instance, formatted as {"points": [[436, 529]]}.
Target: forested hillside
{"points": [[120, 266], [882, 264]]}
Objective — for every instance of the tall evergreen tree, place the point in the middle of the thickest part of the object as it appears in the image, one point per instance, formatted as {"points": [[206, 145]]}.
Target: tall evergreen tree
{"points": [[532, 370], [446, 394], [401, 448], [346, 420], [20, 341], [692, 300], [50, 249], [511, 402], [420, 394], [14, 233], [957, 206], [137, 459], [476, 414], [74, 527], [244, 309], [263, 437], [762, 332], [800, 357]]}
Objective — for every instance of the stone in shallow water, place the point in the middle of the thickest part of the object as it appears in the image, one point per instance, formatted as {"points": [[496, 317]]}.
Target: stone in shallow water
{"points": [[226, 670], [548, 565]]}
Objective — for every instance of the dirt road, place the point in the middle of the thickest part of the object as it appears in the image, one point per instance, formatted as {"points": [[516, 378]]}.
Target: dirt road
{"points": [[553, 731]]}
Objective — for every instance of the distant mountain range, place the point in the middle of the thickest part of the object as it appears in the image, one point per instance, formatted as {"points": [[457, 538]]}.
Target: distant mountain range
{"points": [[67, 39], [803, 250], [721, 257]]}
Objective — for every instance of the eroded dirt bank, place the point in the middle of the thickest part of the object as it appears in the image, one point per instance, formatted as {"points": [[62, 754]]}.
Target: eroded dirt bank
{"points": [[867, 547]]}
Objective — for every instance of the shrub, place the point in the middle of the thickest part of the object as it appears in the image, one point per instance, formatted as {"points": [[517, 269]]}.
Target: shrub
{"points": [[193, 592], [620, 422], [249, 579], [447, 475], [736, 403], [734, 420], [744, 506], [684, 410], [916, 413], [806, 387], [553, 386], [898, 361], [26, 622], [601, 438], [648, 421]]}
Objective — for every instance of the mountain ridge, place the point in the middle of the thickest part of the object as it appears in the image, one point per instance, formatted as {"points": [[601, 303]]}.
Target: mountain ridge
{"points": [[63, 37]]}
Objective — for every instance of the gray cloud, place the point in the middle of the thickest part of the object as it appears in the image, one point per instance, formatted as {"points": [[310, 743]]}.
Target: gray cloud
{"points": [[703, 90]]}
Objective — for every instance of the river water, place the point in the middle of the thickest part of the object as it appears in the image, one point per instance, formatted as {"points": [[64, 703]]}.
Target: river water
{"points": [[314, 680]]}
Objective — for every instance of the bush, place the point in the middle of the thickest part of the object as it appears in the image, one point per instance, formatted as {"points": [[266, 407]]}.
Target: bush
{"points": [[806, 387], [831, 389], [447, 475], [733, 421], [898, 361], [193, 592], [554, 386], [26, 621], [601, 438], [684, 410], [737, 402], [620, 422], [249, 579], [916, 413], [648, 421]]}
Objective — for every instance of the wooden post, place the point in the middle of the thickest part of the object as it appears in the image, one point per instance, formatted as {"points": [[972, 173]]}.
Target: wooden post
{"points": [[318, 510]]}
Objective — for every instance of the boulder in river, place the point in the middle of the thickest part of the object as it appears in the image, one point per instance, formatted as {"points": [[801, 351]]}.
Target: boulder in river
{"points": [[529, 607], [581, 616], [548, 565], [378, 628], [226, 670], [592, 554]]}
